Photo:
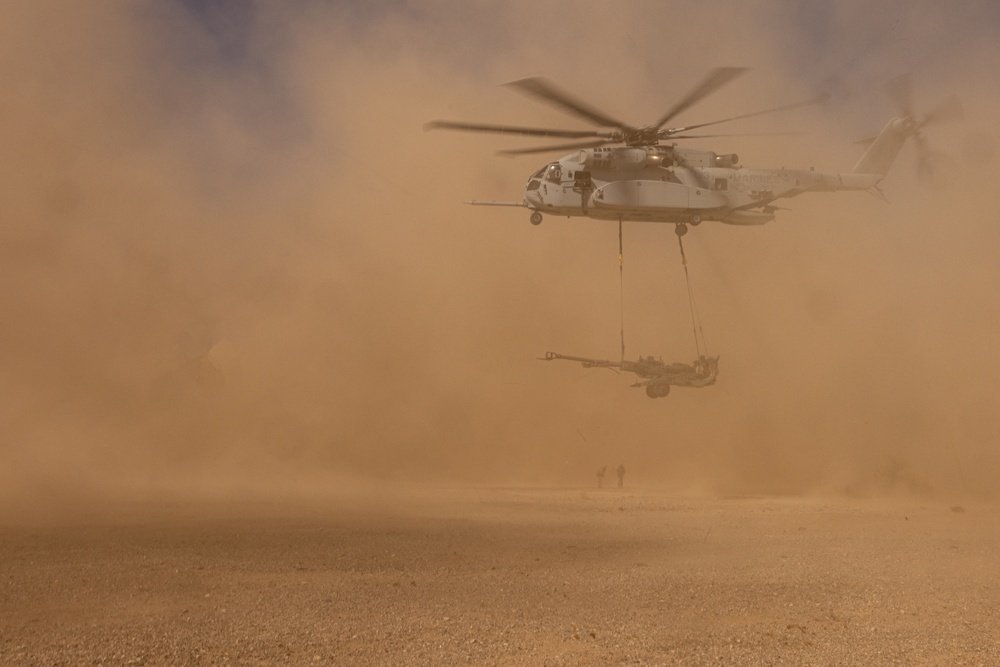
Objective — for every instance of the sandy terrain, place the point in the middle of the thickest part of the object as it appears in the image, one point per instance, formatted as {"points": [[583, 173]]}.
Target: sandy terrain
{"points": [[509, 577]]}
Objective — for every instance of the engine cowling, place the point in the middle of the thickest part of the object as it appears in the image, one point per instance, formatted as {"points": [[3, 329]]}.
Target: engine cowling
{"points": [[728, 160], [612, 158], [659, 158]]}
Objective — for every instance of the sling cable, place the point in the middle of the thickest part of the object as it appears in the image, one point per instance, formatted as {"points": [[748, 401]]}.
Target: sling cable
{"points": [[699, 333], [701, 346], [621, 285]]}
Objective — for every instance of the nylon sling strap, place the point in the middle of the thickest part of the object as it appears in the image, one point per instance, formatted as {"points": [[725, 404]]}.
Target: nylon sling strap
{"points": [[621, 286], [695, 319]]}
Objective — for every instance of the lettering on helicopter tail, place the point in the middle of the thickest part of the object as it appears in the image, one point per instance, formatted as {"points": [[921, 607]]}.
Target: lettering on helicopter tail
{"points": [[759, 182]]}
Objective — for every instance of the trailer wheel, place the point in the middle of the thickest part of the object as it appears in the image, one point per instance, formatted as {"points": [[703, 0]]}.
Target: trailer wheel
{"points": [[658, 390]]}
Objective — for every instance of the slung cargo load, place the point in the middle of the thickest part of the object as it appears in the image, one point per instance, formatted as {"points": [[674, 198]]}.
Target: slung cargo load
{"points": [[653, 374]]}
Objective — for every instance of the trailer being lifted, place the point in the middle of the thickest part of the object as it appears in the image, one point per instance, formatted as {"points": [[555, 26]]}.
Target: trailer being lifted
{"points": [[653, 374]]}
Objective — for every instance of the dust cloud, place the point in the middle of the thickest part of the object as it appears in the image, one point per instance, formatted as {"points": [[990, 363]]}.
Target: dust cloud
{"points": [[232, 258]]}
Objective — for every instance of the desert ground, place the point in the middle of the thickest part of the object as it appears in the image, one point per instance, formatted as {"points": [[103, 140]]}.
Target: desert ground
{"points": [[505, 576]]}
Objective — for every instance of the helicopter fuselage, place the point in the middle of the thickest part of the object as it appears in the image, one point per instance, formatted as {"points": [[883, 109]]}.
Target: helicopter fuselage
{"points": [[646, 180], [673, 185]]}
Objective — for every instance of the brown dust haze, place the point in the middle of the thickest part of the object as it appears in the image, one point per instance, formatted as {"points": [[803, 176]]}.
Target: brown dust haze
{"points": [[232, 258]]}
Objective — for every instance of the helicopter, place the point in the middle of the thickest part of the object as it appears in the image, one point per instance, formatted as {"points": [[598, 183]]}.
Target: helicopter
{"points": [[656, 376], [623, 172]]}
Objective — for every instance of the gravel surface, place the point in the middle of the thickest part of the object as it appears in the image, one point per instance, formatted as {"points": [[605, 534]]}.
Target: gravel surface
{"points": [[507, 577]]}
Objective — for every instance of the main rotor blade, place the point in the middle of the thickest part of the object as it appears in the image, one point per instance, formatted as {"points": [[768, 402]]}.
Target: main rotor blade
{"points": [[511, 129], [717, 78], [924, 167], [557, 147], [948, 111], [900, 89], [736, 134], [546, 91], [819, 99]]}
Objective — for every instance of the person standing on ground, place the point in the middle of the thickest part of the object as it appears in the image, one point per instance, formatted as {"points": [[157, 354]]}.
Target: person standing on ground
{"points": [[621, 475], [600, 475]]}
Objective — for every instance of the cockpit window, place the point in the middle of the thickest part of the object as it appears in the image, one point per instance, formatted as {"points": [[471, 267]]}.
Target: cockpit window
{"points": [[538, 174], [554, 173]]}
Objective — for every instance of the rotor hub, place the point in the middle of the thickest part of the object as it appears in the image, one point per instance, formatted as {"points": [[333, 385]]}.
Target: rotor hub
{"points": [[641, 136]]}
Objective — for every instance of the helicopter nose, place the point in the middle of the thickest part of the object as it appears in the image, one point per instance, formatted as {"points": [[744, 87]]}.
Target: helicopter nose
{"points": [[534, 198]]}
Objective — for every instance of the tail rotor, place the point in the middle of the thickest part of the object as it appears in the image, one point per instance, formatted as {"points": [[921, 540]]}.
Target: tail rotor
{"points": [[929, 160]]}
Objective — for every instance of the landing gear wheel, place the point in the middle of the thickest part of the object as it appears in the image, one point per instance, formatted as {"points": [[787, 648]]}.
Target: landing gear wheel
{"points": [[695, 219], [651, 391], [536, 218], [681, 229]]}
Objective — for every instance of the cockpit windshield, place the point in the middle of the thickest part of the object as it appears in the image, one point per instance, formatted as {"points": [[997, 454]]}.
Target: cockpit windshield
{"points": [[553, 173]]}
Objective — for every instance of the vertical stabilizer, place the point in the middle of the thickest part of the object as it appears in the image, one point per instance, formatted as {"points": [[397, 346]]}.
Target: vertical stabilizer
{"points": [[883, 151]]}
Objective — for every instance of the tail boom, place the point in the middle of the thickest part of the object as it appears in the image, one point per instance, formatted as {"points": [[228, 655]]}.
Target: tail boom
{"points": [[886, 146]]}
